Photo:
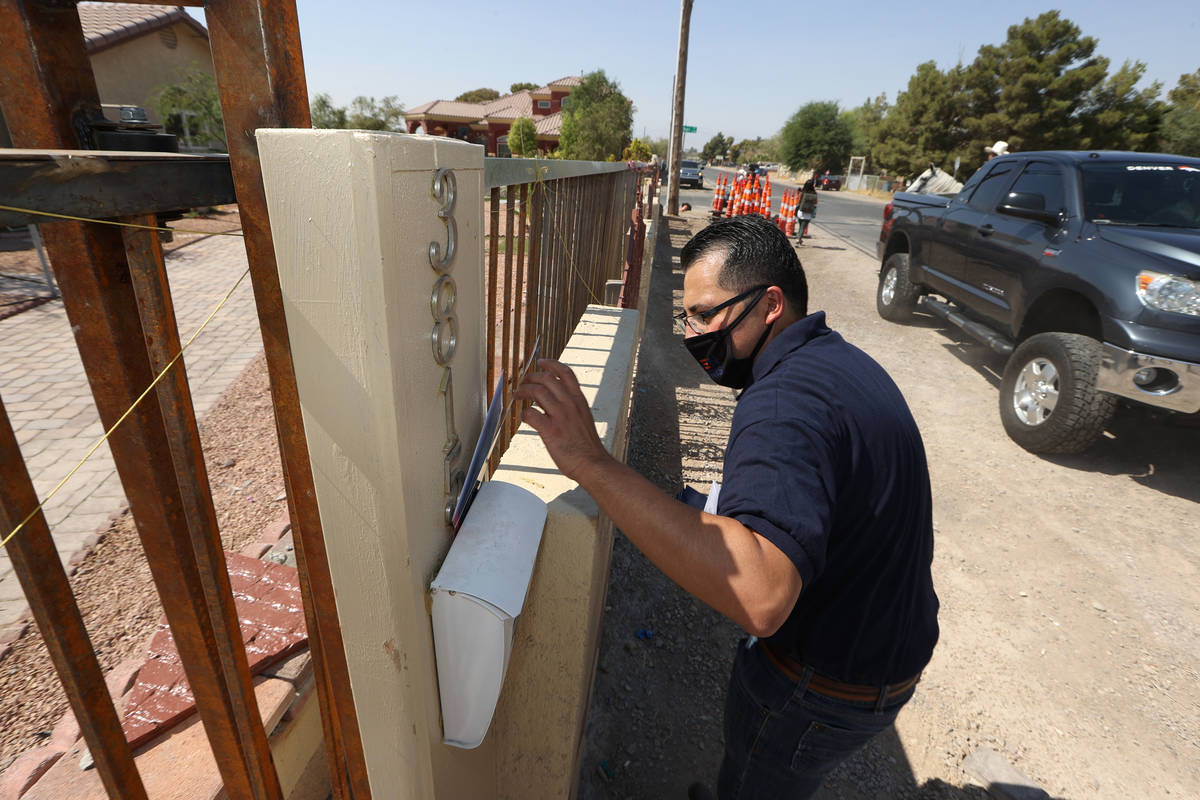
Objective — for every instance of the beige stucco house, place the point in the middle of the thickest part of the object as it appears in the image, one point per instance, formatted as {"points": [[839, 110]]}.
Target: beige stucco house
{"points": [[135, 50]]}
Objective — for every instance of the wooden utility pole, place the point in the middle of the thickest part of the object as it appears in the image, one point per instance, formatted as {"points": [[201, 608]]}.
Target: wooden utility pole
{"points": [[685, 21]]}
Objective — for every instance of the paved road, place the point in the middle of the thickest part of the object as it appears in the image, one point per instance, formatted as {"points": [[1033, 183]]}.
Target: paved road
{"points": [[853, 218]]}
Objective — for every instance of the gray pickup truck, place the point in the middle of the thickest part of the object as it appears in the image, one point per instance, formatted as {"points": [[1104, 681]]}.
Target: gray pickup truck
{"points": [[1082, 267]]}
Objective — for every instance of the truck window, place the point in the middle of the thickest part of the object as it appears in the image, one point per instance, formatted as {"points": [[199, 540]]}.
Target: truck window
{"points": [[1142, 193], [991, 188], [1042, 178]]}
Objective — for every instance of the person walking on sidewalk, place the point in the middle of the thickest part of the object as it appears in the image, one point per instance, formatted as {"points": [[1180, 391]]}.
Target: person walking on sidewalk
{"points": [[808, 209], [821, 544]]}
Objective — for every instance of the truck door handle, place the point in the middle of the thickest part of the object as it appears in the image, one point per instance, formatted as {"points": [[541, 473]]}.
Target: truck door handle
{"points": [[986, 230]]}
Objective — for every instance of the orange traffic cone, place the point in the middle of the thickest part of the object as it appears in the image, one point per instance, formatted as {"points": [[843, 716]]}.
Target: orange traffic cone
{"points": [[716, 201], [791, 221]]}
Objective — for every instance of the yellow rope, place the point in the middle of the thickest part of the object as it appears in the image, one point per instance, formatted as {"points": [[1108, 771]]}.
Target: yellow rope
{"points": [[114, 222], [142, 396], [540, 181]]}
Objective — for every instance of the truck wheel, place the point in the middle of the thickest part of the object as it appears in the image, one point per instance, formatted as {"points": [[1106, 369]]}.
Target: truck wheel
{"points": [[1048, 397], [896, 298]]}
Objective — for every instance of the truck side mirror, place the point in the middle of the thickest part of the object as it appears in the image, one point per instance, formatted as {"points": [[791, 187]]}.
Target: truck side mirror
{"points": [[1029, 205]]}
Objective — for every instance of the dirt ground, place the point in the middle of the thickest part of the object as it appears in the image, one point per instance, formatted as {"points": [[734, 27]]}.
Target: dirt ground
{"points": [[1070, 611]]}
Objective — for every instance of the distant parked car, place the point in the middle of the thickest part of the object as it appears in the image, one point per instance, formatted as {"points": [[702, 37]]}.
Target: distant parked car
{"points": [[828, 182], [691, 173]]}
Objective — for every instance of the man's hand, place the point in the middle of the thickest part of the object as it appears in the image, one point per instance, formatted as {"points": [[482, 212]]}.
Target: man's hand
{"points": [[565, 420]]}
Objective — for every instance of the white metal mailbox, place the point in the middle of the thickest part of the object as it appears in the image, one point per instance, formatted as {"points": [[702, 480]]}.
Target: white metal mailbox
{"points": [[477, 596]]}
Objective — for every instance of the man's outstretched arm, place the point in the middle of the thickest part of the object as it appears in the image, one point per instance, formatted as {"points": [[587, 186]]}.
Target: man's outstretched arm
{"points": [[717, 559]]}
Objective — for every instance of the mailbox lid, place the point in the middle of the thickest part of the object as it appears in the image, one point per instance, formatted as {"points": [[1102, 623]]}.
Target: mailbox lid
{"points": [[493, 555]]}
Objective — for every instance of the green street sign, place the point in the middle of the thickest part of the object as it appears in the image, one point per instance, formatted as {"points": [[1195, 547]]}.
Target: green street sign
{"points": [[689, 128]]}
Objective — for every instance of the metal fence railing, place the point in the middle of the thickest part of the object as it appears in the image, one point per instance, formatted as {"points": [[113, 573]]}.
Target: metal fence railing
{"points": [[558, 232]]}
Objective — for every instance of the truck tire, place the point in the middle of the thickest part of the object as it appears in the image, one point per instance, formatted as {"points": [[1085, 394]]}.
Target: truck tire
{"points": [[896, 297], [1048, 397]]}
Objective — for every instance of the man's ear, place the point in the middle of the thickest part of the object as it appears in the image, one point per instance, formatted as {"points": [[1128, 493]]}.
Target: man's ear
{"points": [[776, 304]]}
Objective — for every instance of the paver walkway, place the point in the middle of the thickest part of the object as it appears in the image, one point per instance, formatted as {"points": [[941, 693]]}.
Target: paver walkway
{"points": [[50, 403]]}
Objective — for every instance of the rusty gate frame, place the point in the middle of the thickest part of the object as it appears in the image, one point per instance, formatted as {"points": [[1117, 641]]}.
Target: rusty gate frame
{"points": [[114, 289]]}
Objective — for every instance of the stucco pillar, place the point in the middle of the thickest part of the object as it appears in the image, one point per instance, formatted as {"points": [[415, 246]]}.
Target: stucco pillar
{"points": [[353, 216]]}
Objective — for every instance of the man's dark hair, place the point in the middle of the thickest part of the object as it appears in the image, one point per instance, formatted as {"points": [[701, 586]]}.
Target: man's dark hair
{"points": [[756, 254]]}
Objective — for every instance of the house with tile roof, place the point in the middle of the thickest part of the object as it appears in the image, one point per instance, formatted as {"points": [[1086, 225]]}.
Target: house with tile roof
{"points": [[488, 123], [134, 51]]}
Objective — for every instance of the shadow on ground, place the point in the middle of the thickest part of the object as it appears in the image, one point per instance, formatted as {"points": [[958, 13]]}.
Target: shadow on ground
{"points": [[1154, 447]]}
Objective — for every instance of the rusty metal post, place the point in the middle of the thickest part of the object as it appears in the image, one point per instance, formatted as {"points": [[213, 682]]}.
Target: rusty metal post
{"points": [[633, 261], [510, 302], [493, 308], [521, 341], [149, 276], [38, 567], [260, 78], [57, 98]]}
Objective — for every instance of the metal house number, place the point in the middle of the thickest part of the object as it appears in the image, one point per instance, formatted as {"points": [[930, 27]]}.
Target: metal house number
{"points": [[445, 330]]}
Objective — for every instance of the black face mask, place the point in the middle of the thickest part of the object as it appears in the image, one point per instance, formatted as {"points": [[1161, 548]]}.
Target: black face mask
{"points": [[714, 352]]}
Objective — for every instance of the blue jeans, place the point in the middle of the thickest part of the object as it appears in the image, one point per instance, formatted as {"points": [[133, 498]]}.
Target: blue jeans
{"points": [[781, 739]]}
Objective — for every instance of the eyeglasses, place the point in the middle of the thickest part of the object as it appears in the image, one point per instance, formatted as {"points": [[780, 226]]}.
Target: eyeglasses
{"points": [[699, 321]]}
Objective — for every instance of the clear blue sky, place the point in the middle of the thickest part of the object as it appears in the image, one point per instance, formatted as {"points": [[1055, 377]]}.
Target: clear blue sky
{"points": [[752, 64]]}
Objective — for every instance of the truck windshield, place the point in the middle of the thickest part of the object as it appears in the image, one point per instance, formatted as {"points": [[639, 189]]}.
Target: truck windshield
{"points": [[1144, 194]]}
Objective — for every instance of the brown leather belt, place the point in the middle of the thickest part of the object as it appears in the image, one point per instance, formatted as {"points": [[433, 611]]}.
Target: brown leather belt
{"points": [[831, 688]]}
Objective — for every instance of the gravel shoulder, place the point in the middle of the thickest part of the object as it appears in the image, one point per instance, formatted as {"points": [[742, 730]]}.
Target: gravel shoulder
{"points": [[1070, 609]]}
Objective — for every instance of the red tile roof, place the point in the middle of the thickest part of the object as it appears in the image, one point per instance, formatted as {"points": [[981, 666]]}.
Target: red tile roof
{"points": [[449, 108], [549, 125], [108, 24], [508, 107]]}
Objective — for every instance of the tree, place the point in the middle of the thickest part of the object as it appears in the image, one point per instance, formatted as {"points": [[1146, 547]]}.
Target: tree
{"points": [[716, 147], [325, 114], [477, 96], [368, 115], [864, 122], [521, 87], [191, 108], [660, 147], [756, 149], [638, 150], [522, 137], [1116, 116], [597, 120], [815, 137], [925, 125], [1028, 89], [1181, 123]]}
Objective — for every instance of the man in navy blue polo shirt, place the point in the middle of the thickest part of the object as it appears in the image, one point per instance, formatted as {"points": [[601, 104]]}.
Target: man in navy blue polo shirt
{"points": [[823, 538]]}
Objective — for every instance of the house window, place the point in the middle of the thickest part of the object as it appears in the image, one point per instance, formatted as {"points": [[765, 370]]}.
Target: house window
{"points": [[543, 103]]}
